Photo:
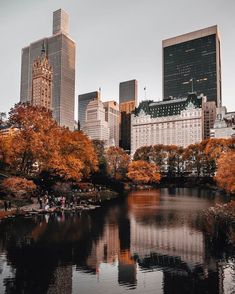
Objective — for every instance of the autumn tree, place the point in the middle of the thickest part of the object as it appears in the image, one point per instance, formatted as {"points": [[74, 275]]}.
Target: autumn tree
{"points": [[195, 159], [153, 154], [2, 118], [18, 187], [142, 172], [173, 160], [216, 146], [143, 153], [74, 156], [117, 162], [38, 144], [100, 153], [225, 176], [32, 141], [159, 155]]}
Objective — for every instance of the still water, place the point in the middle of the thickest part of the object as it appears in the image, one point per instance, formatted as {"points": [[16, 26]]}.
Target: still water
{"points": [[148, 242]]}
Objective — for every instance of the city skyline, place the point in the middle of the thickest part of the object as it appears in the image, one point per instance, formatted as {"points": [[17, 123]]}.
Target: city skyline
{"points": [[110, 54]]}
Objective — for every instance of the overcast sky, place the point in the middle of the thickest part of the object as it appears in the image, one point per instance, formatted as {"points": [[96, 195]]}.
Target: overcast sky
{"points": [[117, 40]]}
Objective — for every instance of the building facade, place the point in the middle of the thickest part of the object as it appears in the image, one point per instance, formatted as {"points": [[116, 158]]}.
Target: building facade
{"points": [[60, 49], [224, 126], [192, 62], [128, 93], [174, 122], [209, 116], [42, 82], [83, 101], [112, 116], [96, 127]]}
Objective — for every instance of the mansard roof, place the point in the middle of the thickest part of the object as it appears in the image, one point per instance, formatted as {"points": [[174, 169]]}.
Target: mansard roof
{"points": [[169, 107]]}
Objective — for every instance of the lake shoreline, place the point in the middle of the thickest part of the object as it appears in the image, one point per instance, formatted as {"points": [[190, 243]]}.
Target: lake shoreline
{"points": [[87, 201], [93, 199]]}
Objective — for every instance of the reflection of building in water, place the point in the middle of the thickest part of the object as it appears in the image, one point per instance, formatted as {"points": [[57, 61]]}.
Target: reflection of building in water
{"points": [[62, 280], [183, 242], [148, 237], [105, 249], [114, 245], [126, 269], [227, 274]]}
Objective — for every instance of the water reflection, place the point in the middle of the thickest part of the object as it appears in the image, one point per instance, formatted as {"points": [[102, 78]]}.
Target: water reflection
{"points": [[148, 242]]}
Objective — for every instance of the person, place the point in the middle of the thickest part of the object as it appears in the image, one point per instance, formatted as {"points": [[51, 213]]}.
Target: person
{"points": [[63, 202], [5, 205], [40, 202], [9, 204]]}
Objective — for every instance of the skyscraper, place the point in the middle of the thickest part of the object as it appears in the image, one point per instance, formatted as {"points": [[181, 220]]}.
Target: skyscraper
{"points": [[128, 95], [127, 103], [83, 101], [60, 49], [96, 127], [191, 62], [112, 116]]}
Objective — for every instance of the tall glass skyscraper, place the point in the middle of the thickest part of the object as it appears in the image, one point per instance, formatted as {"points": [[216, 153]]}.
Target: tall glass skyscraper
{"points": [[191, 62], [60, 49]]}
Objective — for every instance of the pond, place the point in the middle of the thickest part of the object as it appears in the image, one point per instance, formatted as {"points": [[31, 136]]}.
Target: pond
{"points": [[146, 242]]}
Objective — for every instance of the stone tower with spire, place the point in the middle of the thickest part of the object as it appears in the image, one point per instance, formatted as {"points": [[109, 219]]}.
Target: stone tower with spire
{"points": [[42, 81]]}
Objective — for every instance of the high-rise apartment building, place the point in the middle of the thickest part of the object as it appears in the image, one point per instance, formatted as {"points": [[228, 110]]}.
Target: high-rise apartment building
{"points": [[60, 49], [209, 116], [127, 103], [83, 101], [112, 116], [191, 62], [42, 82]]}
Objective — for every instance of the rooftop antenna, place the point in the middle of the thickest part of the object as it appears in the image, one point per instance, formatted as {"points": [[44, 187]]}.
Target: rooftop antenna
{"points": [[99, 93], [145, 93], [192, 85]]}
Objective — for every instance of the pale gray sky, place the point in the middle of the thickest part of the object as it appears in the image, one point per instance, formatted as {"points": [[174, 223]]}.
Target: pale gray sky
{"points": [[117, 40]]}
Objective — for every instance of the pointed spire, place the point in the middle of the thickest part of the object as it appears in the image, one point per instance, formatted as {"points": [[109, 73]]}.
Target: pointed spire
{"points": [[43, 49]]}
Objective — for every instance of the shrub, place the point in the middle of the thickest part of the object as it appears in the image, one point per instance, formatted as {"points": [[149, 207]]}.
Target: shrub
{"points": [[18, 187]]}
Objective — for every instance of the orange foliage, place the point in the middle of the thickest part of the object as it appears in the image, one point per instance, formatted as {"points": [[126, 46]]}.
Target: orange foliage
{"points": [[225, 176], [117, 162], [215, 147], [19, 187], [39, 144], [141, 171], [74, 156]]}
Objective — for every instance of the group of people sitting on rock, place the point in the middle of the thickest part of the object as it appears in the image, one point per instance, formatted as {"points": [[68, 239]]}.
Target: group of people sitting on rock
{"points": [[50, 201]]}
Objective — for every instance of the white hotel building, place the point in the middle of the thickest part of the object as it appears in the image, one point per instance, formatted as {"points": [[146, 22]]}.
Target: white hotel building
{"points": [[174, 122]]}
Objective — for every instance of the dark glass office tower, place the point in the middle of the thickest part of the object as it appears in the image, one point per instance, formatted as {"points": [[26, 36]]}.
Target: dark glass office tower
{"points": [[191, 62], [60, 49]]}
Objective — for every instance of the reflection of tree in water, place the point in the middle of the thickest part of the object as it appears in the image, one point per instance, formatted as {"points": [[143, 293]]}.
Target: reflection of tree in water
{"points": [[35, 253]]}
